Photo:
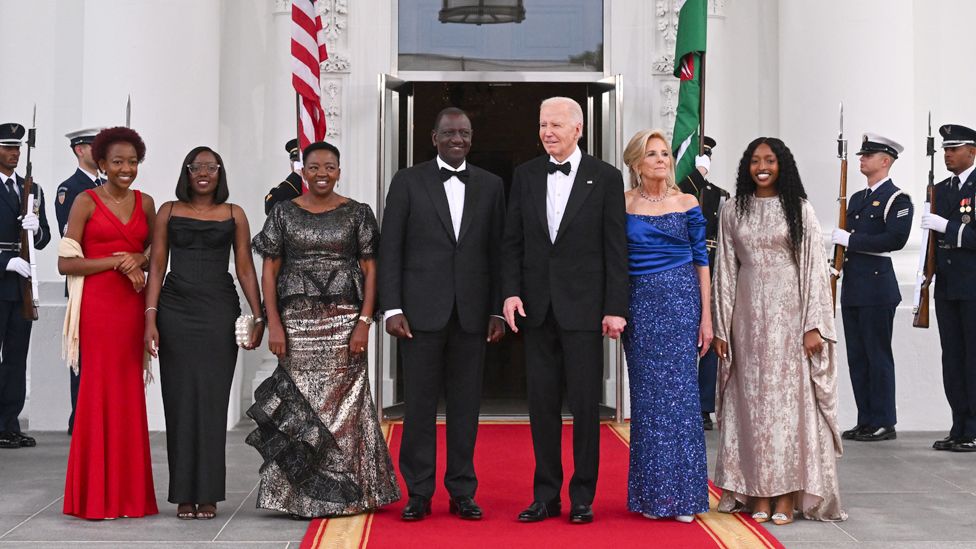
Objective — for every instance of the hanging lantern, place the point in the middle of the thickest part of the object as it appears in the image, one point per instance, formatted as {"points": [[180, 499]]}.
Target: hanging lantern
{"points": [[482, 12]]}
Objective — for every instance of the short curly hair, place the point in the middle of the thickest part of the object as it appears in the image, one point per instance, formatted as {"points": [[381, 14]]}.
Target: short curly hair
{"points": [[118, 134]]}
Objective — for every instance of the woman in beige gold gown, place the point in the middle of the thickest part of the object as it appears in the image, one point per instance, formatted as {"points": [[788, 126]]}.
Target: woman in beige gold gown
{"points": [[774, 335]]}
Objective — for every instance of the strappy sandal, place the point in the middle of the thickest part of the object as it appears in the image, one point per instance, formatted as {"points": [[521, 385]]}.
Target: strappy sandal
{"points": [[760, 517], [186, 511], [206, 511], [780, 519]]}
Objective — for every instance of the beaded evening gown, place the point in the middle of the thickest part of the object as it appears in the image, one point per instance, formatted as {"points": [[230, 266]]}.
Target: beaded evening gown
{"points": [[668, 468], [198, 305], [324, 453], [109, 465]]}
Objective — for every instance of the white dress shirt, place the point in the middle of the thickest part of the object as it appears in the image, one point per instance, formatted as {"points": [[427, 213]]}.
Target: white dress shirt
{"points": [[558, 187], [13, 178], [965, 175], [874, 187], [454, 189], [93, 177]]}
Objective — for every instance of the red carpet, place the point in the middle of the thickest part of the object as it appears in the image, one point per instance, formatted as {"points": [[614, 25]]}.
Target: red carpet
{"points": [[505, 465]]}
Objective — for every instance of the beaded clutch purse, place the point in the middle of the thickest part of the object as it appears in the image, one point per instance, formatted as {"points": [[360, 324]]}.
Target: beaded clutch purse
{"points": [[244, 329]]}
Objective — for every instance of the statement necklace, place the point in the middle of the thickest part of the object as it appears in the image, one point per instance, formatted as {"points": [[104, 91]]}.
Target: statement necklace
{"points": [[644, 195]]}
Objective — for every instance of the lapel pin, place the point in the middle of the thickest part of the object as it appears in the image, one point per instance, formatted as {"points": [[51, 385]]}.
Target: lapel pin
{"points": [[589, 181]]}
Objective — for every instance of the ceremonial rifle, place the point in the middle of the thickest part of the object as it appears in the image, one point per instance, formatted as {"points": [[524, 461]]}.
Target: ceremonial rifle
{"points": [[837, 263], [926, 256], [29, 287]]}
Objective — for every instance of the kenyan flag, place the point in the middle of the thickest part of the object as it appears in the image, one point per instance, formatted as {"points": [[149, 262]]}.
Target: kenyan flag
{"points": [[689, 54]]}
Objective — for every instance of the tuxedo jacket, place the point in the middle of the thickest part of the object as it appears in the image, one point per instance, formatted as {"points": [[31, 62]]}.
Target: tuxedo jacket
{"points": [[288, 189], [427, 272], [879, 222], [955, 253], [583, 274], [10, 233]]}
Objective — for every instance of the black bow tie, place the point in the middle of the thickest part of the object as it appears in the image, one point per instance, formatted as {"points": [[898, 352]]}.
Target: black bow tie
{"points": [[565, 167], [446, 174]]}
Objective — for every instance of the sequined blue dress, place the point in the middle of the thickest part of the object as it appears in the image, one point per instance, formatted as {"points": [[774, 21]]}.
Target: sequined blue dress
{"points": [[668, 468]]}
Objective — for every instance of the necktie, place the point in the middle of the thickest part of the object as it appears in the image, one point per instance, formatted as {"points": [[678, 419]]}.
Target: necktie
{"points": [[565, 167], [99, 181], [12, 191], [953, 190], [446, 174], [955, 182]]}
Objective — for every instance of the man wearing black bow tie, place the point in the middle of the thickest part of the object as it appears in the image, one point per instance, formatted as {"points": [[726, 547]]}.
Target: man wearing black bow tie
{"points": [[439, 283], [566, 285]]}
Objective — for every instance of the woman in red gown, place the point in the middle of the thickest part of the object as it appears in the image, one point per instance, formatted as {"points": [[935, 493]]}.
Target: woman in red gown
{"points": [[109, 466]]}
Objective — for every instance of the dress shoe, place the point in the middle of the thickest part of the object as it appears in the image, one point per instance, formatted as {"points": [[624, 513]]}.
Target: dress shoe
{"points": [[580, 514], [9, 440], [874, 435], [707, 421], [465, 507], [540, 510], [944, 443], [964, 445], [852, 433], [417, 508], [26, 441]]}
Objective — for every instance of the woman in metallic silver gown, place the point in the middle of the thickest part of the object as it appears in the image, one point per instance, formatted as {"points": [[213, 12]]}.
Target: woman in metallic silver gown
{"points": [[317, 430]]}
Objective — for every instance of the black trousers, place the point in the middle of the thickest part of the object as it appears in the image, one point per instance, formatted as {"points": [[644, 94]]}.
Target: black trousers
{"points": [[554, 356], [451, 362], [957, 332], [867, 331], [14, 342]]}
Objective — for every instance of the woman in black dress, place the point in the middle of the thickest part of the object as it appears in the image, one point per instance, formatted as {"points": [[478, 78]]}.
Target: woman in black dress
{"points": [[190, 326]]}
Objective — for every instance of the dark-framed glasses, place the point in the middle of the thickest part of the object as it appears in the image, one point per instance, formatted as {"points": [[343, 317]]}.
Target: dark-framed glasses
{"points": [[197, 168]]}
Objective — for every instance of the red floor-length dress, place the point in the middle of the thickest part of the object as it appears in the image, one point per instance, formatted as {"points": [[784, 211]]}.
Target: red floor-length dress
{"points": [[109, 466]]}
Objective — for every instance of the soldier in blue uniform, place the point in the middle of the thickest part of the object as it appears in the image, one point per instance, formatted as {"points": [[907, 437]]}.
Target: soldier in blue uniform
{"points": [[291, 187], [85, 177], [14, 329], [955, 283], [879, 220], [711, 197]]}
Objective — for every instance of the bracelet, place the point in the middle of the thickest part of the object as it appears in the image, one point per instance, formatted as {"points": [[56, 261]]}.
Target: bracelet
{"points": [[258, 320], [151, 309]]}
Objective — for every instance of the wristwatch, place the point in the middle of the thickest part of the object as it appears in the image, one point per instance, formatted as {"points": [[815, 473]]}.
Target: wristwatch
{"points": [[367, 320]]}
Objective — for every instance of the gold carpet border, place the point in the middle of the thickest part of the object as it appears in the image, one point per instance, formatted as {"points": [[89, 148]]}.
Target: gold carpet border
{"points": [[727, 530]]}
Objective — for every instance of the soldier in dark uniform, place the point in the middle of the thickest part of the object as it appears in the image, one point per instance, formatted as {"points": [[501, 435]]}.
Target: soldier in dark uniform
{"points": [[14, 329], [85, 177], [879, 220], [292, 186], [955, 283], [710, 197]]}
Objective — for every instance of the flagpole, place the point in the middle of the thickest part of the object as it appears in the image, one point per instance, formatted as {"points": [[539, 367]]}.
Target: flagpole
{"points": [[701, 107], [298, 118]]}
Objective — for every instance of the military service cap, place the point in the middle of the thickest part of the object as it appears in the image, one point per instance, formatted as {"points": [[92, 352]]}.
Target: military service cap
{"points": [[83, 136], [12, 134], [954, 135], [292, 147], [874, 143]]}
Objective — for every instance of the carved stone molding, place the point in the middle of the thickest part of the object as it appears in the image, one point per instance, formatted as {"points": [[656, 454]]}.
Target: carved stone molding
{"points": [[336, 63], [669, 105], [666, 22], [332, 104], [334, 15], [282, 7], [717, 8]]}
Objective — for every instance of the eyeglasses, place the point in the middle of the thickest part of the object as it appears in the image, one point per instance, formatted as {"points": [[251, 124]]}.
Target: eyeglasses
{"points": [[200, 168]]}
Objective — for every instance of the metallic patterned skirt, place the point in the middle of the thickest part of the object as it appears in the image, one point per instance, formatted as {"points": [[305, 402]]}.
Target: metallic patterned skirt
{"points": [[317, 430]]}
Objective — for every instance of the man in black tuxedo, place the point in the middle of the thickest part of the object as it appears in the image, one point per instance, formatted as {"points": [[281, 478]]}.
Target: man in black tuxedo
{"points": [[440, 284], [14, 329], [565, 273]]}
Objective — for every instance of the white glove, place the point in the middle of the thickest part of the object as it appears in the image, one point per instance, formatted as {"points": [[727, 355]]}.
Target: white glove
{"points": [[31, 223], [19, 266], [934, 222], [705, 162], [840, 237]]}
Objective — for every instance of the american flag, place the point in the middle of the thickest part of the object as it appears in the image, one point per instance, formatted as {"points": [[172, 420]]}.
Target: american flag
{"points": [[308, 52]]}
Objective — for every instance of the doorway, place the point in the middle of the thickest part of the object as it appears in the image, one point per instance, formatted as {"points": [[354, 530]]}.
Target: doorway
{"points": [[504, 116]]}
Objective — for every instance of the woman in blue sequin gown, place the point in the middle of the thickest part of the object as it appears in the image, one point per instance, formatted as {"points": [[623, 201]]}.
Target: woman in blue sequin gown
{"points": [[670, 326]]}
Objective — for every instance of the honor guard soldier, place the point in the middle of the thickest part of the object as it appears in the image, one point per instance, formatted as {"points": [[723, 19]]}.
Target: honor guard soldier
{"points": [[292, 186], [879, 220], [955, 283], [711, 197], [14, 329], [85, 177]]}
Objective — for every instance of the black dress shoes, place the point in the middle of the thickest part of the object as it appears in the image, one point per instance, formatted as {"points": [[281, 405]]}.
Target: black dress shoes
{"points": [[581, 514], [707, 421], [852, 434], [873, 435], [9, 440], [417, 508], [465, 508], [944, 443], [964, 445], [540, 510]]}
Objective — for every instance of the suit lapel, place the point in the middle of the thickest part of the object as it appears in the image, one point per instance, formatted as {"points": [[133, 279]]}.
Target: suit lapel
{"points": [[582, 186], [472, 192], [860, 202], [8, 199], [538, 183], [438, 197]]}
